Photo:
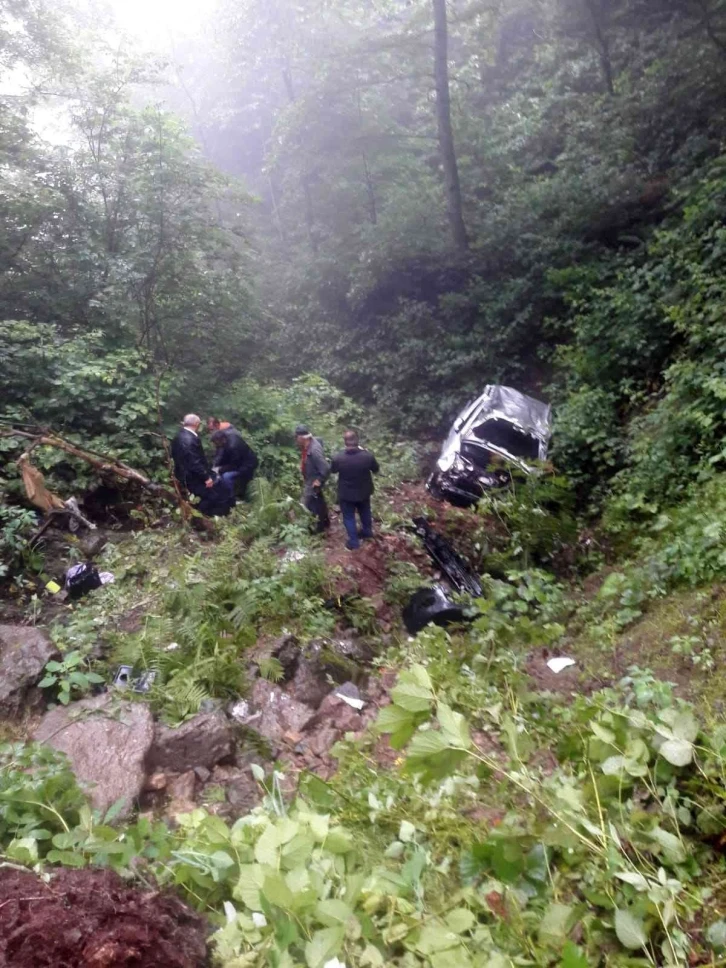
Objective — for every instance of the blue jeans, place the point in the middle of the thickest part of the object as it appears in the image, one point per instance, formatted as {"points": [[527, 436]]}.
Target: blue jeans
{"points": [[348, 510], [228, 479]]}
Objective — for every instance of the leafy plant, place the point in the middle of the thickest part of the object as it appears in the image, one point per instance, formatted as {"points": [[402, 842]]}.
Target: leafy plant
{"points": [[69, 677]]}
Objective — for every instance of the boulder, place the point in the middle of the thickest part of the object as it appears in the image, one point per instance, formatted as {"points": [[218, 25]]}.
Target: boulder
{"points": [[241, 788], [181, 793], [273, 713], [204, 740], [336, 713], [24, 652], [107, 740], [309, 685]]}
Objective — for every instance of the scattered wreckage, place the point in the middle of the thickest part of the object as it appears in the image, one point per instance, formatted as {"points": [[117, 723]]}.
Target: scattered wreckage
{"points": [[501, 430], [433, 604]]}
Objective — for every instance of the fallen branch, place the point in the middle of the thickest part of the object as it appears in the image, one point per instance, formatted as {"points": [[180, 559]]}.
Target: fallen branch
{"points": [[101, 462]]}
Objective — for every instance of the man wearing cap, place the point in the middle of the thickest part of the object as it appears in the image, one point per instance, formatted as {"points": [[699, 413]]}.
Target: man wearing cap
{"points": [[192, 470], [315, 470], [355, 467]]}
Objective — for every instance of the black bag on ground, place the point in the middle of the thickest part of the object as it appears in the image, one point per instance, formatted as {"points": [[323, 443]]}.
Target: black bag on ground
{"points": [[81, 579], [430, 605]]}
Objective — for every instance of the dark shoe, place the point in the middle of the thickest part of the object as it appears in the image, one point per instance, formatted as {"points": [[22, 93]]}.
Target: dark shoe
{"points": [[365, 537], [351, 547]]}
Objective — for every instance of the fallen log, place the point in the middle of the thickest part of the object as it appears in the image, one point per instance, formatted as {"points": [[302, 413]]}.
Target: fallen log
{"points": [[101, 462]]}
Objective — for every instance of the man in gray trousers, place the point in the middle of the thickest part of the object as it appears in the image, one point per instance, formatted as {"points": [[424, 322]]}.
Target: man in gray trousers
{"points": [[315, 470]]}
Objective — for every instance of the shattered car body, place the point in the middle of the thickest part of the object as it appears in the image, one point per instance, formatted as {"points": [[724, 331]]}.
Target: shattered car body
{"points": [[502, 429]]}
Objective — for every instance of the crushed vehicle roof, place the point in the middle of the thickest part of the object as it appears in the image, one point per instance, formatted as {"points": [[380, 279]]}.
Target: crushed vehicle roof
{"points": [[530, 414]]}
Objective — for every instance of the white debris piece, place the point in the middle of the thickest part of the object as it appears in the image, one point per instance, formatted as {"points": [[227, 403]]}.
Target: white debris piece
{"points": [[107, 577], [559, 664], [259, 920]]}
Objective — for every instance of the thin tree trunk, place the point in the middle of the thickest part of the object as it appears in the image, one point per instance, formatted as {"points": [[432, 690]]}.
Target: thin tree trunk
{"points": [[603, 47], [305, 177], [446, 134]]}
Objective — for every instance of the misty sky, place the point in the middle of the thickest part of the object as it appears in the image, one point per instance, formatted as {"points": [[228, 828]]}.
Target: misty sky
{"points": [[156, 22]]}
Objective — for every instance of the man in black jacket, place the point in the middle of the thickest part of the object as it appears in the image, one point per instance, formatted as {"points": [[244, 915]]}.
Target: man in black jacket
{"points": [[355, 468], [192, 470], [235, 461]]}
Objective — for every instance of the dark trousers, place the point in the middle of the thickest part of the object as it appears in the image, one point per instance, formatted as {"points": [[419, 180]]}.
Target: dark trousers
{"points": [[348, 510], [315, 503], [214, 502]]}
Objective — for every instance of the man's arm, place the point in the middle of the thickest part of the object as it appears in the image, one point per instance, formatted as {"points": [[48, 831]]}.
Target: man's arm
{"points": [[374, 465], [321, 467], [197, 461]]}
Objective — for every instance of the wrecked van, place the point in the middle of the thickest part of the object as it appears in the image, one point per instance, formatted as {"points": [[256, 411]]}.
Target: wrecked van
{"points": [[502, 429]]}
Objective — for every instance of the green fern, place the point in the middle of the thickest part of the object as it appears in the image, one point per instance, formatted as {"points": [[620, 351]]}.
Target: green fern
{"points": [[271, 669]]}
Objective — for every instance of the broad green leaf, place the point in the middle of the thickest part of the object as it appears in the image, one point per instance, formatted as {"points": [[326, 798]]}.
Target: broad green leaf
{"points": [[419, 675], [251, 879], [267, 847], [333, 911], [276, 891], [572, 957], [716, 935], [679, 752], [460, 920], [553, 926], [426, 744], [412, 697], [685, 726], [630, 930], [453, 726], [323, 945], [339, 841], [634, 878], [672, 846], [392, 718], [406, 832], [436, 937], [613, 766]]}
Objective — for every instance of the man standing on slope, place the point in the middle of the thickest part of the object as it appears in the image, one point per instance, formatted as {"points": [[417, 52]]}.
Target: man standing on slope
{"points": [[192, 470], [315, 470], [355, 468]]}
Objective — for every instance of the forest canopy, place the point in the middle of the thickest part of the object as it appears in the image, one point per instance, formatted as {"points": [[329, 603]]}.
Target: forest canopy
{"points": [[409, 199]]}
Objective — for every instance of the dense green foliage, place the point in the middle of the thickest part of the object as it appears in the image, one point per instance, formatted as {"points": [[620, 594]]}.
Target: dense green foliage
{"points": [[516, 826]]}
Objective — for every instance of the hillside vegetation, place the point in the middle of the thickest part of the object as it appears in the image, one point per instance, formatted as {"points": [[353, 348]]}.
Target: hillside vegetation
{"points": [[338, 214]]}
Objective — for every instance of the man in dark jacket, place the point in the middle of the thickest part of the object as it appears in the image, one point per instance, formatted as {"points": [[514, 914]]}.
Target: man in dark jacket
{"points": [[192, 470], [355, 468], [235, 461], [315, 470]]}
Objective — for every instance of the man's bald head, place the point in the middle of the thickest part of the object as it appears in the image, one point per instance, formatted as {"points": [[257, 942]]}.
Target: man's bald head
{"points": [[192, 421]]}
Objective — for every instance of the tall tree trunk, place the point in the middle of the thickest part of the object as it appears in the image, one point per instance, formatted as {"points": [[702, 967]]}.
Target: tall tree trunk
{"points": [[446, 134], [305, 177]]}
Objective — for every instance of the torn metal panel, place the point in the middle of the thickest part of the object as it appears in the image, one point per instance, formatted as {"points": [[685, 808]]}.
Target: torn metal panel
{"points": [[502, 429]]}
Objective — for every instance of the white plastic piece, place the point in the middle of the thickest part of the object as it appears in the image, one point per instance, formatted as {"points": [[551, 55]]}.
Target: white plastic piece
{"points": [[560, 663]]}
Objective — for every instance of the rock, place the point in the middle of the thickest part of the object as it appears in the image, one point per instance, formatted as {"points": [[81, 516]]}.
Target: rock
{"points": [[337, 713], [93, 546], [181, 793], [309, 684], [287, 652], [107, 740], [275, 712], [204, 741], [202, 773], [241, 788], [24, 652], [155, 783], [323, 739]]}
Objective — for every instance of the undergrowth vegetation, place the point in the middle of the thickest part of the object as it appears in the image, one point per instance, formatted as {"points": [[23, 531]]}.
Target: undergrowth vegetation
{"points": [[483, 821]]}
